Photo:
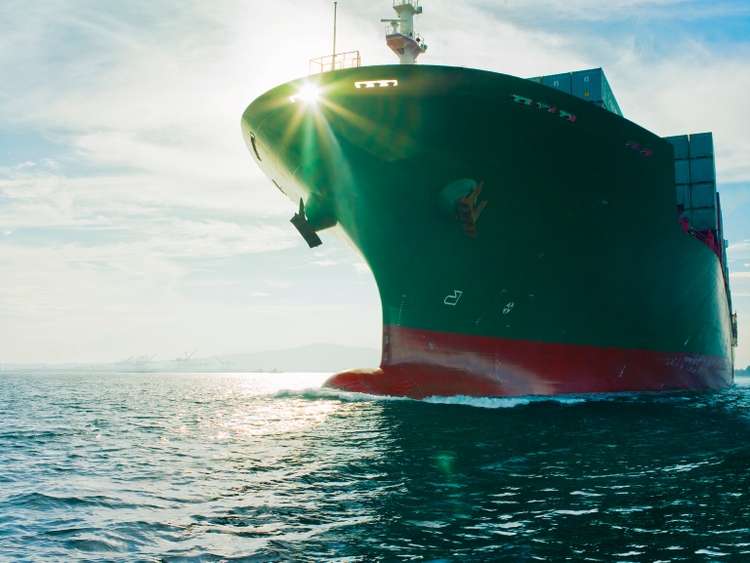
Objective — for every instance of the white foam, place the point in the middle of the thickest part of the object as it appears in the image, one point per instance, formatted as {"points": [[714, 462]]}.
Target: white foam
{"points": [[331, 393], [501, 402]]}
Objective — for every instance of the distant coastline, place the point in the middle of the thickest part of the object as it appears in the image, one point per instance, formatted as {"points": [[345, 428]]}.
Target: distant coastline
{"points": [[312, 358]]}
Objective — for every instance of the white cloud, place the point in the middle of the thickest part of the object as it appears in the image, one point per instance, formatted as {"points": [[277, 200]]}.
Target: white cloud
{"points": [[739, 250], [691, 93], [73, 303], [218, 238], [740, 284], [361, 268], [277, 283], [593, 10]]}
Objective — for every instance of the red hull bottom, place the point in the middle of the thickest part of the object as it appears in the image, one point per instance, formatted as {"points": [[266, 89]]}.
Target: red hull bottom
{"points": [[421, 363]]}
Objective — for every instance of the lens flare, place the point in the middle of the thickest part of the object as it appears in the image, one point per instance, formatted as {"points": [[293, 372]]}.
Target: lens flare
{"points": [[308, 94]]}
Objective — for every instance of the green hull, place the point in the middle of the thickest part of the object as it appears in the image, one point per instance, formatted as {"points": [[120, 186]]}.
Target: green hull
{"points": [[578, 243]]}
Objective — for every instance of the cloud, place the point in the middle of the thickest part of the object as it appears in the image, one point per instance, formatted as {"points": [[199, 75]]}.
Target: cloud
{"points": [[740, 284], [277, 283], [739, 250], [592, 10], [361, 268], [73, 303]]}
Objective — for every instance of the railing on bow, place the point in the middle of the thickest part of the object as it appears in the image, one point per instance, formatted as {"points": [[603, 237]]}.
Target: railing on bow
{"points": [[338, 61], [414, 3], [401, 30]]}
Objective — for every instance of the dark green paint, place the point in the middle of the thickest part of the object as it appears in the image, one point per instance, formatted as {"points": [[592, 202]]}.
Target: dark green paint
{"points": [[580, 232]]}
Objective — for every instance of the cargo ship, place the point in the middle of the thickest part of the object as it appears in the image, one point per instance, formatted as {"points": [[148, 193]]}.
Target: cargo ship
{"points": [[525, 237]]}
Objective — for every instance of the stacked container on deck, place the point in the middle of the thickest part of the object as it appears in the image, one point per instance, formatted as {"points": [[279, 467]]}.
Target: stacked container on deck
{"points": [[695, 178], [590, 85], [695, 175]]}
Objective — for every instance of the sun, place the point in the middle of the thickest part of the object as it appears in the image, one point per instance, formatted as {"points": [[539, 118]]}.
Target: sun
{"points": [[309, 94]]}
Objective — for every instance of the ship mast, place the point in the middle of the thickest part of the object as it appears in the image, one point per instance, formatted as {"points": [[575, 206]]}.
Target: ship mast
{"points": [[333, 62], [400, 35]]}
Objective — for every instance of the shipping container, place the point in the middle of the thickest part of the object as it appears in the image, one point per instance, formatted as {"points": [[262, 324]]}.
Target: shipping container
{"points": [[591, 85], [683, 196], [558, 81], [724, 259], [703, 195], [537, 79], [704, 219], [681, 144], [702, 170], [682, 171], [701, 145]]}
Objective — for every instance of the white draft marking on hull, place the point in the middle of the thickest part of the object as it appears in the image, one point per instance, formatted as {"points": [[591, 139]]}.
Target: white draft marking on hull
{"points": [[452, 300]]}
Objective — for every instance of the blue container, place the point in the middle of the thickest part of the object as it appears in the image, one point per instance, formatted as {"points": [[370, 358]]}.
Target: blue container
{"points": [[587, 84], [704, 219], [702, 170], [683, 196], [681, 144], [682, 171], [537, 79], [558, 81], [703, 195], [591, 85], [701, 145]]}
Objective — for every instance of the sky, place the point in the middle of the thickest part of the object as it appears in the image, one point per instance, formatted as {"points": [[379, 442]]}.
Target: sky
{"points": [[133, 220]]}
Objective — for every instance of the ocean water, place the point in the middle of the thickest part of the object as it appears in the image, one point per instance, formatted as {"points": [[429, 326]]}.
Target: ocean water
{"points": [[268, 467]]}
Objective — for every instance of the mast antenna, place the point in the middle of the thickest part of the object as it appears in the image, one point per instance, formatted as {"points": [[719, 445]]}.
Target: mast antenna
{"points": [[333, 63]]}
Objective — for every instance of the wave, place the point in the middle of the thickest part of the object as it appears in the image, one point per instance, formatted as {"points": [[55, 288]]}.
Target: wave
{"points": [[314, 393], [318, 393], [42, 501], [502, 402]]}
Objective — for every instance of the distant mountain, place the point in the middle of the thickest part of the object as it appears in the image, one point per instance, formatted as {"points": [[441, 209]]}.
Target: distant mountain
{"points": [[310, 358]]}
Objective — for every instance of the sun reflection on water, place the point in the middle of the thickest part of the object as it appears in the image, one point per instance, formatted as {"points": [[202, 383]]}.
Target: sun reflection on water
{"points": [[271, 417], [251, 406]]}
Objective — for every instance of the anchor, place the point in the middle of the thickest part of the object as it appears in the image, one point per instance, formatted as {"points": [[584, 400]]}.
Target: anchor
{"points": [[304, 227], [467, 213]]}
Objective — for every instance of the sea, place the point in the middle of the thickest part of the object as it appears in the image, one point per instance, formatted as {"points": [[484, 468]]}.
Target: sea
{"points": [[270, 467]]}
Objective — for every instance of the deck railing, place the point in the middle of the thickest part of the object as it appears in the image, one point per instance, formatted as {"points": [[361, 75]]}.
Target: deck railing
{"points": [[339, 61], [405, 31], [414, 3]]}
